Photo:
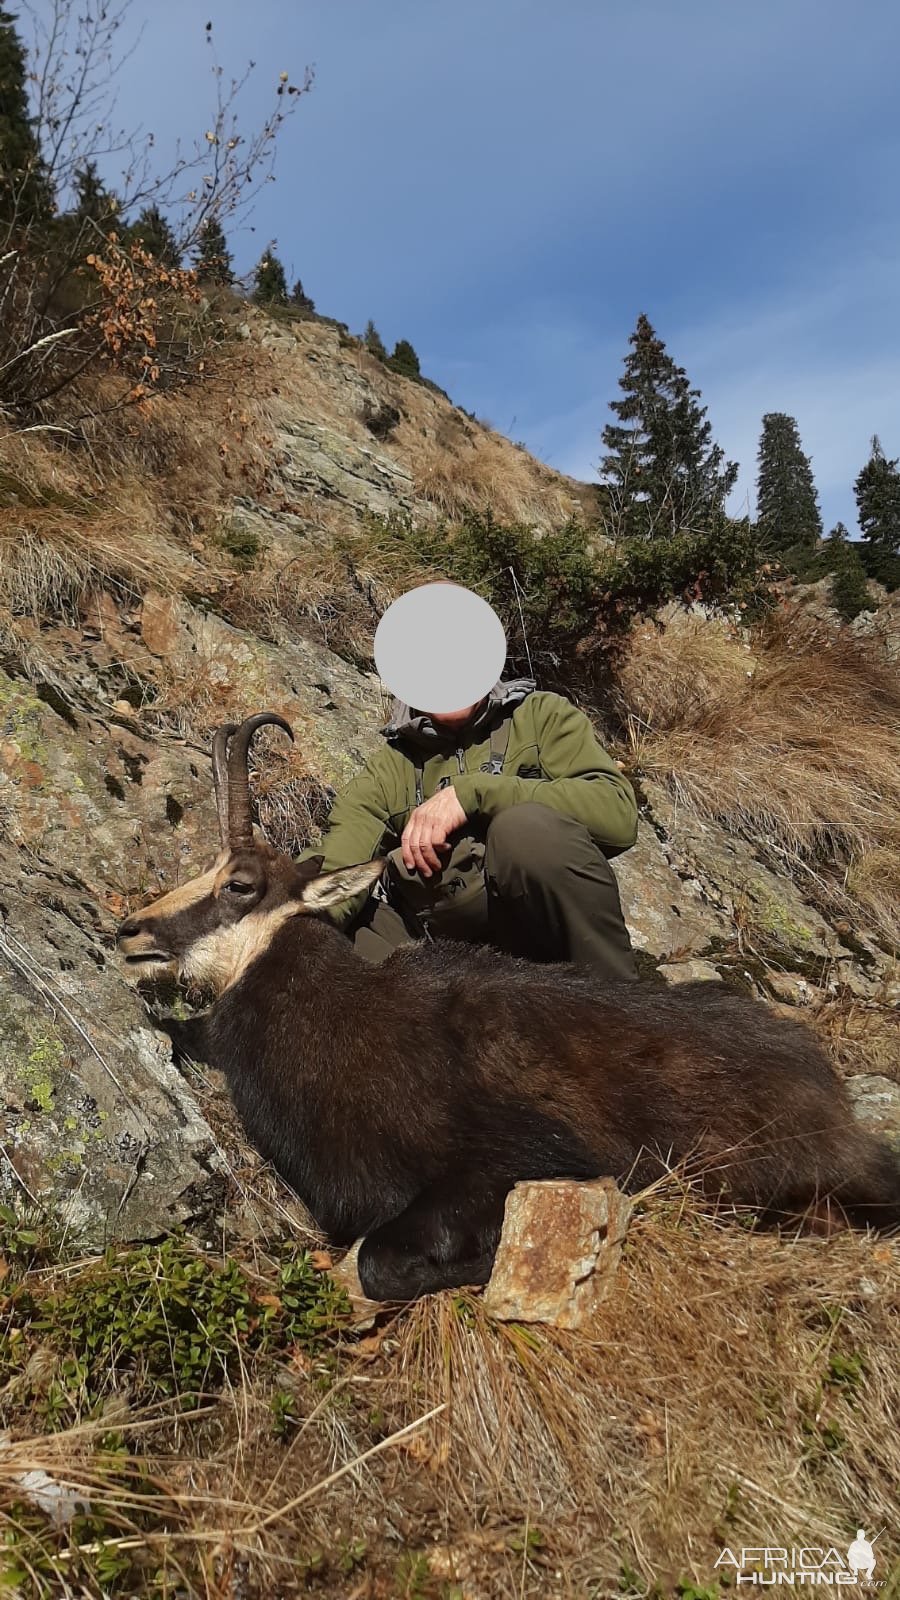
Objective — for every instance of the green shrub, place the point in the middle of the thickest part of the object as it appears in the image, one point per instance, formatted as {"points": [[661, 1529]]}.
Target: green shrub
{"points": [[571, 590], [167, 1320]]}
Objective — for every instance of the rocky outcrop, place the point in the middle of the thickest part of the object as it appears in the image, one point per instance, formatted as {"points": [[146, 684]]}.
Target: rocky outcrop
{"points": [[99, 1128]]}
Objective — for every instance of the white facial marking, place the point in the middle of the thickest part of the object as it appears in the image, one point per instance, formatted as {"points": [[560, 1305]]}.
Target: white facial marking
{"points": [[219, 958]]}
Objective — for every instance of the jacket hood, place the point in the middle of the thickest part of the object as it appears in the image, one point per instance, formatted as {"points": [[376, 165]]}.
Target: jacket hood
{"points": [[409, 726]]}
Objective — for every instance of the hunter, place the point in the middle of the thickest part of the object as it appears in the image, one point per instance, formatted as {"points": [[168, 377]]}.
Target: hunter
{"points": [[498, 821]]}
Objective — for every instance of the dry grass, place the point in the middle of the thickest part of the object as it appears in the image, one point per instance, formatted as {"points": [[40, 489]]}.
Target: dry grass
{"points": [[792, 742], [473, 471], [861, 1036], [736, 1389], [127, 497]]}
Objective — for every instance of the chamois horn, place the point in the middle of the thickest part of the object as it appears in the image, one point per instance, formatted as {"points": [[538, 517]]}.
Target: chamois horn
{"points": [[240, 823], [220, 776]]}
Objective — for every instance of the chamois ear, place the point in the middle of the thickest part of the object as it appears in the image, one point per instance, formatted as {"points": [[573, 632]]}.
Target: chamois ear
{"points": [[333, 887]]}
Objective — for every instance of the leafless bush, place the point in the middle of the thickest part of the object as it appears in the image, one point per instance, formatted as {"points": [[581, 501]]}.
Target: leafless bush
{"points": [[78, 292]]}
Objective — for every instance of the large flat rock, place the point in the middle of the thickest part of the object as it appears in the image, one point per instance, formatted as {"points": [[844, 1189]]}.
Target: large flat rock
{"points": [[669, 916], [98, 1127]]}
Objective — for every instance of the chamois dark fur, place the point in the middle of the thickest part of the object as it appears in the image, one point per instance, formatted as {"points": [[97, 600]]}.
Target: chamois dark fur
{"points": [[402, 1102]]}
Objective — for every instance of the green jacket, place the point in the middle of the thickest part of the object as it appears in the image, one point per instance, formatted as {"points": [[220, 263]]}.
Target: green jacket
{"points": [[547, 736]]}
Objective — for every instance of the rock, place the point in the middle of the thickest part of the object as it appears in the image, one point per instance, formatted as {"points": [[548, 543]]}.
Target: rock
{"points": [[320, 460], [98, 1126], [689, 972], [558, 1253], [740, 887], [667, 915], [876, 1104], [334, 710], [792, 989]]}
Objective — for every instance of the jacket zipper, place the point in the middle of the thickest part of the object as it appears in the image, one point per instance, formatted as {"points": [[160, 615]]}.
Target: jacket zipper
{"points": [[459, 760]]}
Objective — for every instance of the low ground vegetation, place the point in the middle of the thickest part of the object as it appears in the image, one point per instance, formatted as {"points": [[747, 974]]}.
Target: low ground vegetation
{"points": [[208, 1423]]}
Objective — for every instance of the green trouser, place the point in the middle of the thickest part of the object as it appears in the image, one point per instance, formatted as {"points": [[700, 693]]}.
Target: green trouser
{"points": [[544, 890]]}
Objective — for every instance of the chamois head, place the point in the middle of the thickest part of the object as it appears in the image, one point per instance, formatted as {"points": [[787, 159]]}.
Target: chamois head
{"points": [[211, 928]]}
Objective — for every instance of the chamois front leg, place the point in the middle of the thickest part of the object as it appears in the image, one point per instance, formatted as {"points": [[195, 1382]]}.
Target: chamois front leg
{"points": [[447, 1237]]}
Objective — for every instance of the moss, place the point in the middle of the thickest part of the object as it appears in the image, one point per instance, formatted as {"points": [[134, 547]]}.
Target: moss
{"points": [[22, 720], [38, 1071], [771, 915]]}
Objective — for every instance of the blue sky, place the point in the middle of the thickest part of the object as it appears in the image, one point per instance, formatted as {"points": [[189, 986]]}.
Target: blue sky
{"points": [[508, 183]]}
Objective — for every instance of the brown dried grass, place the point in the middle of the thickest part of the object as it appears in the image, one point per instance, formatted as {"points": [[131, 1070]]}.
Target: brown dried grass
{"points": [[476, 471], [736, 1389], [790, 740]]}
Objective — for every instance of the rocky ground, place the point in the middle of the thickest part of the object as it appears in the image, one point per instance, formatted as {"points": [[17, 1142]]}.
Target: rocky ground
{"points": [[445, 1453], [105, 785]]}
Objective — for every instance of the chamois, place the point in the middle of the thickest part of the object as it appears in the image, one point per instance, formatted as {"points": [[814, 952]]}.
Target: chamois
{"points": [[402, 1102]]}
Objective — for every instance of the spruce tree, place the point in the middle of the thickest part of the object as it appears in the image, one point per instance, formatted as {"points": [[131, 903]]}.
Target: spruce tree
{"points": [[212, 260], [271, 283], [94, 203], [788, 515], [373, 342], [155, 234], [662, 467], [301, 299], [25, 190], [877, 491], [834, 547], [404, 359]]}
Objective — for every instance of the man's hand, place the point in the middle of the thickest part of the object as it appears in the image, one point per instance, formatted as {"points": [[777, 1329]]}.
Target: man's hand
{"points": [[428, 829]]}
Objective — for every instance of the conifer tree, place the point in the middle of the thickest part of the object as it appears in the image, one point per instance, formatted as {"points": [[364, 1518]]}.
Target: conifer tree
{"points": [[155, 234], [849, 592], [271, 283], [788, 515], [877, 491], [212, 260], [94, 203], [301, 299], [373, 342], [404, 359], [25, 190], [663, 469]]}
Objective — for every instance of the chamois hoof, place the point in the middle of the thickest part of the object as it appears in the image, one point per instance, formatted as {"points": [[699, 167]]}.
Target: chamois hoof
{"points": [[346, 1276]]}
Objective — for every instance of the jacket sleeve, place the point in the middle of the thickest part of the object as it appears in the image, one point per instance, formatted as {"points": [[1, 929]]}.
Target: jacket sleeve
{"points": [[582, 779], [357, 823]]}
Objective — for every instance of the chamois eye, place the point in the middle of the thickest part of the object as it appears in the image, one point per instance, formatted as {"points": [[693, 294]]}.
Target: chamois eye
{"points": [[238, 886]]}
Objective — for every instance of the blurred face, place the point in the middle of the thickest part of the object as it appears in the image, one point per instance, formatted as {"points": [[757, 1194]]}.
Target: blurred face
{"points": [[452, 721]]}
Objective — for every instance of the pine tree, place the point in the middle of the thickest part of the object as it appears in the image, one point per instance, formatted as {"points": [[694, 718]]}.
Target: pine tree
{"points": [[94, 203], [788, 515], [301, 299], [840, 558], [834, 547], [877, 491], [404, 359], [662, 467], [212, 260], [271, 283], [155, 234], [373, 342], [25, 191]]}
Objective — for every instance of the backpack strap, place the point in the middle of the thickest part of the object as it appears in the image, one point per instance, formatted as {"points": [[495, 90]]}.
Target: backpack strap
{"points": [[494, 764], [499, 745]]}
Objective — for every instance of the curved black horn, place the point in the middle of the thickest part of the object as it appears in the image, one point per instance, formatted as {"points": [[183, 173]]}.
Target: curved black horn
{"points": [[240, 824], [220, 776]]}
